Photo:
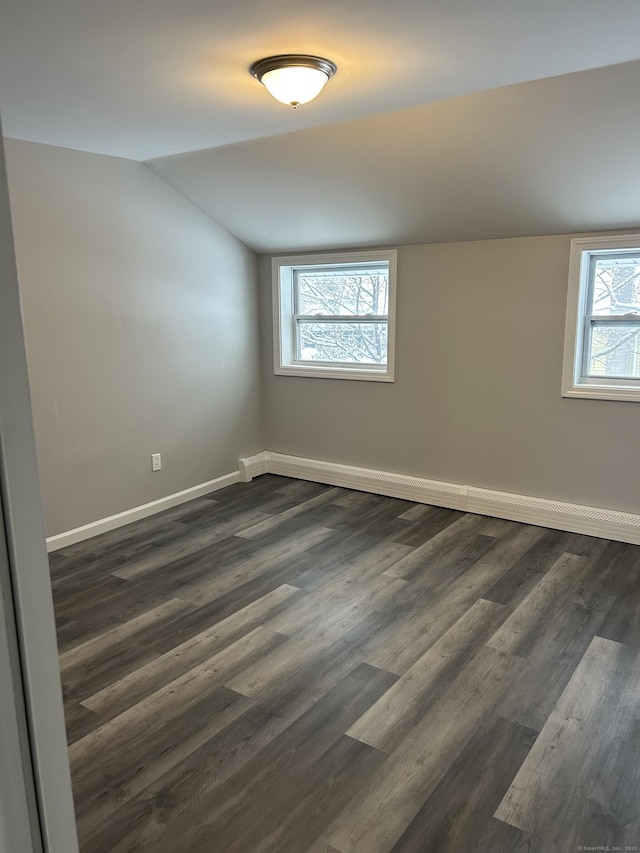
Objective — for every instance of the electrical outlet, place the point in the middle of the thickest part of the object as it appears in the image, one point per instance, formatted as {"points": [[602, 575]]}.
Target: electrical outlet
{"points": [[156, 462]]}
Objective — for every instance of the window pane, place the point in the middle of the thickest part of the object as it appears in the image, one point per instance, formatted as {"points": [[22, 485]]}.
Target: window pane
{"points": [[359, 343], [616, 285], [614, 350], [343, 292]]}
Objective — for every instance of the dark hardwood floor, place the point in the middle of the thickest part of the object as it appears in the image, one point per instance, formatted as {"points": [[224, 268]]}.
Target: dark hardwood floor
{"points": [[287, 666]]}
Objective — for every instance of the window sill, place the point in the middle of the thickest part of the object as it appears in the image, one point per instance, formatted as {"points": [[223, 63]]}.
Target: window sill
{"points": [[335, 373], [603, 392]]}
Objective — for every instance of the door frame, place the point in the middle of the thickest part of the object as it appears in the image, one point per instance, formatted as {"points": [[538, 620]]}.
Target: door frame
{"points": [[39, 809]]}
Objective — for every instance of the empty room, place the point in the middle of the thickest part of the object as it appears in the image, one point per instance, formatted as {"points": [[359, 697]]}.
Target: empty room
{"points": [[319, 470]]}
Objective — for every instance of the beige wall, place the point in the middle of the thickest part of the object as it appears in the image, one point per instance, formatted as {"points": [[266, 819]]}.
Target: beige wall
{"points": [[140, 317], [477, 394], [141, 332]]}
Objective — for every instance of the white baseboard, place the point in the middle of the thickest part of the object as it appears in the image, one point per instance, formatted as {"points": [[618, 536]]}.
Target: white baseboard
{"points": [[78, 534], [574, 518], [254, 466]]}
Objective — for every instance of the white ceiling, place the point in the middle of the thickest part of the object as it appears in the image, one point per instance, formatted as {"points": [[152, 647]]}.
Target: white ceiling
{"points": [[552, 156], [381, 155]]}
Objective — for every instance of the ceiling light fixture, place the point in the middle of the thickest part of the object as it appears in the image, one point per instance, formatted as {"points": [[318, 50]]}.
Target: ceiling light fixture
{"points": [[294, 79]]}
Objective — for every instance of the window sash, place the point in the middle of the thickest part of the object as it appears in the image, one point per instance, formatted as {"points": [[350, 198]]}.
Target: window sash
{"points": [[590, 322], [326, 319], [592, 263], [345, 270], [339, 320]]}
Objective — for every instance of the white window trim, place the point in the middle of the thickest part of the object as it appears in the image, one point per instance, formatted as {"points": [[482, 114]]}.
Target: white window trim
{"points": [[574, 384], [283, 343]]}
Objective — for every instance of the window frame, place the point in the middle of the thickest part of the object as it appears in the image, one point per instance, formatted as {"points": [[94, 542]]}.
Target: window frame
{"points": [[575, 381], [285, 318]]}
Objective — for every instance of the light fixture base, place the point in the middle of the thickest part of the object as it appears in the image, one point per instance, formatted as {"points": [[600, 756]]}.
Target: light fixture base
{"points": [[286, 60]]}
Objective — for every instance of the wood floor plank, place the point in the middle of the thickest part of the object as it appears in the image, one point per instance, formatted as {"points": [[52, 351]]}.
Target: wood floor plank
{"points": [[187, 543], [304, 506], [306, 802], [163, 669], [75, 601], [498, 527], [156, 811], [127, 599], [79, 721], [479, 567], [191, 566], [518, 632], [113, 664], [252, 567], [335, 608], [526, 571], [311, 672], [387, 722], [552, 628], [138, 533], [290, 666], [458, 812], [381, 811], [436, 547], [121, 775], [303, 489], [86, 652], [116, 548], [258, 610], [431, 524], [499, 837], [350, 499], [347, 555], [367, 564], [377, 515], [622, 621], [417, 621], [419, 512], [272, 501], [431, 604], [116, 734], [161, 805], [560, 796], [281, 665], [286, 761]]}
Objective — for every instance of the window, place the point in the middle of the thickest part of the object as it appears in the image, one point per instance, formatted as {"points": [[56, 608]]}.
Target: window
{"points": [[334, 315], [602, 341]]}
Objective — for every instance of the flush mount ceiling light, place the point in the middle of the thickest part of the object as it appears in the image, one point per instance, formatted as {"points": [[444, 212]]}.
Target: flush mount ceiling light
{"points": [[294, 79]]}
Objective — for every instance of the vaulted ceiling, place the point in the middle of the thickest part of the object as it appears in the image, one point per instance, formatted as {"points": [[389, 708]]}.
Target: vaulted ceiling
{"points": [[430, 130]]}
